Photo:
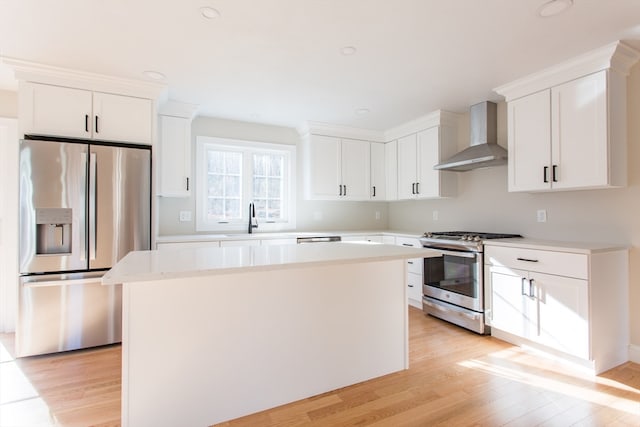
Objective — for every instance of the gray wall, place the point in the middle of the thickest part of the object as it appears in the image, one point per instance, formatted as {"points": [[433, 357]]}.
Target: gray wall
{"points": [[310, 215], [8, 104]]}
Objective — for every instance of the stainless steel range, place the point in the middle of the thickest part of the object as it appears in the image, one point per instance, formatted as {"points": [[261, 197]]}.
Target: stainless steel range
{"points": [[453, 288]]}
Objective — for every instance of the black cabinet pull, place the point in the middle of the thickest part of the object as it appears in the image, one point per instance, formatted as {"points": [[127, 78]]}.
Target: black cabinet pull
{"points": [[527, 259], [345, 189], [340, 186], [187, 183], [545, 172], [417, 188], [411, 286], [407, 244], [86, 123], [413, 188], [374, 191], [97, 125], [554, 174]]}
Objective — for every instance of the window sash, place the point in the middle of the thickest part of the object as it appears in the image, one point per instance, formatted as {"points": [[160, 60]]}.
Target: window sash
{"points": [[267, 177]]}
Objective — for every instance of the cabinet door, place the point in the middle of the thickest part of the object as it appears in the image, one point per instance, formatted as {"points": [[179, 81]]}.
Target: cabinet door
{"points": [[563, 307], [414, 291], [529, 134], [428, 156], [55, 110], [512, 309], [324, 170], [121, 118], [378, 178], [391, 170], [579, 138], [175, 156], [356, 169], [407, 149]]}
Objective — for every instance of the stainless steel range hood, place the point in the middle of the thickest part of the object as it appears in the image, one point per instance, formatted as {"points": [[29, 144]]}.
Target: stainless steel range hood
{"points": [[484, 150]]}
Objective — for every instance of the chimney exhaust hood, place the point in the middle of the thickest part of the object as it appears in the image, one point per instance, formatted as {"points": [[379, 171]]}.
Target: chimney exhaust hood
{"points": [[484, 150]]}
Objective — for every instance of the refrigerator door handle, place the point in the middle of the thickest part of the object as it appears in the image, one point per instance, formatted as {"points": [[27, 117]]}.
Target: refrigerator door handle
{"points": [[93, 220]]}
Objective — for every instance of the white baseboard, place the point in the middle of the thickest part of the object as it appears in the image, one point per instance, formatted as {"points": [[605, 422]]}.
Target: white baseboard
{"points": [[634, 353]]}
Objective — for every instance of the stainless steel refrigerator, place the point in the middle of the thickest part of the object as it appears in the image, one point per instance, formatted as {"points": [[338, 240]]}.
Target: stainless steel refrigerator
{"points": [[83, 206]]}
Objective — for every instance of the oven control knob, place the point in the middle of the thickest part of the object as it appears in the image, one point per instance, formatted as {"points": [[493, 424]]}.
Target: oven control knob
{"points": [[476, 239]]}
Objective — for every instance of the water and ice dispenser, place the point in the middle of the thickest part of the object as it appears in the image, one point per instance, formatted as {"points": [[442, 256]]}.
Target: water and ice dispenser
{"points": [[53, 231]]}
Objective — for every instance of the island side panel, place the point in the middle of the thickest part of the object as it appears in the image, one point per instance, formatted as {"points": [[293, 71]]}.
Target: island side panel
{"points": [[203, 350]]}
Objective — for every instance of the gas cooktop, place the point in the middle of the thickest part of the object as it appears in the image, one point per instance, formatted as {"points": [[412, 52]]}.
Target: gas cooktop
{"points": [[467, 235], [461, 240]]}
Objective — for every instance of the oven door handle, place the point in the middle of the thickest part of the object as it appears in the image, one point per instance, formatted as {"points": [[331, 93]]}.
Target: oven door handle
{"points": [[454, 253]]}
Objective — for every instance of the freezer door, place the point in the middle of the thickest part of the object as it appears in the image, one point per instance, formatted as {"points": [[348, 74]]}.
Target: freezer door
{"points": [[119, 203], [67, 312], [53, 183]]}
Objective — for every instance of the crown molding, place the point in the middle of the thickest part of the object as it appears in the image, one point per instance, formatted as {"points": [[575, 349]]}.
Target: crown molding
{"points": [[49, 74], [327, 129], [178, 109], [616, 56], [436, 118]]}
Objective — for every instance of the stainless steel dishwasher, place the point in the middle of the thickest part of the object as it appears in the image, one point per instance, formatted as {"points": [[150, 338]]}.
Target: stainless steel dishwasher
{"points": [[318, 239]]}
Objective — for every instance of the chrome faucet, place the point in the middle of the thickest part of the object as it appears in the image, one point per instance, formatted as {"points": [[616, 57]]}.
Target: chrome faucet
{"points": [[253, 221]]}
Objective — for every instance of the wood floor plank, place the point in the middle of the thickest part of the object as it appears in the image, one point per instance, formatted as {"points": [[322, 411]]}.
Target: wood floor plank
{"points": [[456, 378]]}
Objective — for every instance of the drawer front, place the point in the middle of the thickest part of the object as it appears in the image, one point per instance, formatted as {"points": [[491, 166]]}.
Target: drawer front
{"points": [[414, 282], [414, 264], [549, 262]]}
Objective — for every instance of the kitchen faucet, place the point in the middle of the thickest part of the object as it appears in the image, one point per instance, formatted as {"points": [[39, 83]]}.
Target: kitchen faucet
{"points": [[253, 221]]}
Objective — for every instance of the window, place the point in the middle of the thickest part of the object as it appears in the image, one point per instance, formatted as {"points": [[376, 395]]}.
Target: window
{"points": [[232, 173]]}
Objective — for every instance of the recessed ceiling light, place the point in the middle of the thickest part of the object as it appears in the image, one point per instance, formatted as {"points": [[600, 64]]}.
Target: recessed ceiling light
{"points": [[554, 7], [209, 12], [154, 75], [348, 50], [362, 111]]}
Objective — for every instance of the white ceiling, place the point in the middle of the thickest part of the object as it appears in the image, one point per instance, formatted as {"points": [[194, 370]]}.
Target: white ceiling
{"points": [[279, 61]]}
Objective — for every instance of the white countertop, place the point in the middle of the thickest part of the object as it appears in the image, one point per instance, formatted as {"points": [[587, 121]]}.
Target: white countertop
{"points": [[558, 246], [277, 235], [178, 263]]}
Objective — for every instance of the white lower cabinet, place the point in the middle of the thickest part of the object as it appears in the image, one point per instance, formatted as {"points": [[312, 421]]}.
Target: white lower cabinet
{"points": [[572, 304], [187, 245], [551, 310], [414, 272]]}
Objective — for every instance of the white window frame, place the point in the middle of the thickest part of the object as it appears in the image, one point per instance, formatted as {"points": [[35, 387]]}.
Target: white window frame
{"points": [[248, 148]]}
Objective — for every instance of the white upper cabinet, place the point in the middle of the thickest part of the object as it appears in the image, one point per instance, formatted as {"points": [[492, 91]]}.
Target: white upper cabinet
{"points": [[407, 166], [378, 175], [567, 125], [78, 113], [122, 118], [337, 169], [56, 111], [579, 137], [175, 156], [391, 170], [355, 169], [417, 155], [529, 129]]}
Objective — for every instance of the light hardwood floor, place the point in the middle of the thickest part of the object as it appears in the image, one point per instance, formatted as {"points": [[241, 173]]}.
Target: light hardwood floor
{"points": [[456, 378]]}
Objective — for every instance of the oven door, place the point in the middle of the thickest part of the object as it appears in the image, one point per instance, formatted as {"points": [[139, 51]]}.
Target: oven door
{"points": [[455, 277]]}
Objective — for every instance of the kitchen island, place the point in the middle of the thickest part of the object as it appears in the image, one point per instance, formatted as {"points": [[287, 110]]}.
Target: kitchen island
{"points": [[212, 334]]}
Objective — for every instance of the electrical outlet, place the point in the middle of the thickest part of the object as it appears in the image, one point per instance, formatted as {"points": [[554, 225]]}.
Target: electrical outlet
{"points": [[185, 216], [435, 215], [377, 215], [542, 215]]}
